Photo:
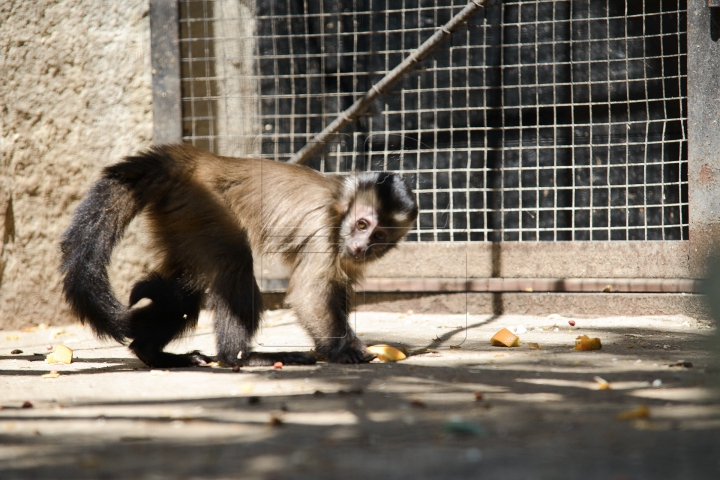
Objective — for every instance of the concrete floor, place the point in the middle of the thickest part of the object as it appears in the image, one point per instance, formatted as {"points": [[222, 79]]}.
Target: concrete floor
{"points": [[457, 408]]}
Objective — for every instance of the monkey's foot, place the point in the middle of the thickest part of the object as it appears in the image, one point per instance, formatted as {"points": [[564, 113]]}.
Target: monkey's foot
{"points": [[258, 359], [154, 358]]}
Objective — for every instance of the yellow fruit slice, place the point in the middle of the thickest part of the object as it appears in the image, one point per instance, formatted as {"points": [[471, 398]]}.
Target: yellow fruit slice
{"points": [[584, 342], [505, 338], [386, 353], [61, 354]]}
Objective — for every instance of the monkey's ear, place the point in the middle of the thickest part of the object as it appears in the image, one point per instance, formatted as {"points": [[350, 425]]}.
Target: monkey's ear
{"points": [[349, 190], [341, 210], [342, 205]]}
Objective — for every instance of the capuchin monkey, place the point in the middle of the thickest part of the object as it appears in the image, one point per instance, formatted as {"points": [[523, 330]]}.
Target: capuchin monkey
{"points": [[208, 217]]}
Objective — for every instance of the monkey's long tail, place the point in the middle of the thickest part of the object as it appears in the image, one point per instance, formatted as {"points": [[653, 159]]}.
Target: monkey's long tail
{"points": [[98, 225]]}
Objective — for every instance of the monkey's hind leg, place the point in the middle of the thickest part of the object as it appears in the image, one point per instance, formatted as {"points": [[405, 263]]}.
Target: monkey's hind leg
{"points": [[174, 309]]}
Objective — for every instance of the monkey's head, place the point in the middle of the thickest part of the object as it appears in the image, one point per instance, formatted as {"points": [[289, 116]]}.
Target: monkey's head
{"points": [[380, 209]]}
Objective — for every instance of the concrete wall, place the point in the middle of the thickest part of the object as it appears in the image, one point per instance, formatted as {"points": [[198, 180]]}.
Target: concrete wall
{"points": [[75, 96]]}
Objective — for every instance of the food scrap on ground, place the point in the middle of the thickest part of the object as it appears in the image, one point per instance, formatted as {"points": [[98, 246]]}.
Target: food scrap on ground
{"points": [[643, 411], [602, 383], [61, 354], [246, 388], [584, 342], [505, 338], [386, 353], [59, 333], [275, 420]]}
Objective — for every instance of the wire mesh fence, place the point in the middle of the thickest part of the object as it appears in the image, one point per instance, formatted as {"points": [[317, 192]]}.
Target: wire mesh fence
{"points": [[542, 120]]}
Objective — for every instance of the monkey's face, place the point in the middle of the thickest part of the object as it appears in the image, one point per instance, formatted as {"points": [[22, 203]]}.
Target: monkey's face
{"points": [[363, 236], [381, 209]]}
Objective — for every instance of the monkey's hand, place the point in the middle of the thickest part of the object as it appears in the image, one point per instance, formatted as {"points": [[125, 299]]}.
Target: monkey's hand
{"points": [[352, 355]]}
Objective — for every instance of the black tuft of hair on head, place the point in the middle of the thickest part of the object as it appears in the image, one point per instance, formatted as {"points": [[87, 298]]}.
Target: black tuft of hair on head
{"points": [[391, 189]]}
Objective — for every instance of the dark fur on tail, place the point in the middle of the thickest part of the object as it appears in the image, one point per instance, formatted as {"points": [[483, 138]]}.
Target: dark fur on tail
{"points": [[99, 224]]}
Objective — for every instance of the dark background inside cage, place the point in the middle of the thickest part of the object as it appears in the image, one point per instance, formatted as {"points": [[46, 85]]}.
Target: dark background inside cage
{"points": [[542, 120]]}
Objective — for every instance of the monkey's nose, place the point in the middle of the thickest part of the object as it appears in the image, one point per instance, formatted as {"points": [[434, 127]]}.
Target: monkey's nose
{"points": [[357, 250]]}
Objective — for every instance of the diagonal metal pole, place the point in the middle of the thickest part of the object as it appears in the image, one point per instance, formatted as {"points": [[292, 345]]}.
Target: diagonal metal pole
{"points": [[357, 108]]}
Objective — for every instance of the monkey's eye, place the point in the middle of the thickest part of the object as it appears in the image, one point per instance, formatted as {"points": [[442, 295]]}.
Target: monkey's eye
{"points": [[362, 225], [379, 236]]}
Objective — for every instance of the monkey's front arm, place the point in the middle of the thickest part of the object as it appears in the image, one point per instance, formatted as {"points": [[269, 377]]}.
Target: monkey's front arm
{"points": [[322, 307]]}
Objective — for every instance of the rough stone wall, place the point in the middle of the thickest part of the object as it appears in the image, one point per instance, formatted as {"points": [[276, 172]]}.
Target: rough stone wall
{"points": [[75, 96]]}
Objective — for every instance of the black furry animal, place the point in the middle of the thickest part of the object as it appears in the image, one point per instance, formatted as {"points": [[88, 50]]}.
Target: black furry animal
{"points": [[208, 215]]}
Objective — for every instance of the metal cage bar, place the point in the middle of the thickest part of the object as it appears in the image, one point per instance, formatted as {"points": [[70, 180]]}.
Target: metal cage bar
{"points": [[542, 120]]}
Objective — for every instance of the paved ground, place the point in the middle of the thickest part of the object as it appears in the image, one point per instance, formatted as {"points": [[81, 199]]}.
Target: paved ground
{"points": [[446, 412]]}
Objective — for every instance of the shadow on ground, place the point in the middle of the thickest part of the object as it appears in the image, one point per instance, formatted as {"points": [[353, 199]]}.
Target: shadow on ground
{"points": [[473, 412]]}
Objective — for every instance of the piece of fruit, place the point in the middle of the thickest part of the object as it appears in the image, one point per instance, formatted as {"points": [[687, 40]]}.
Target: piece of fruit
{"points": [[584, 342], [505, 338], [386, 353], [61, 354], [643, 411], [602, 383]]}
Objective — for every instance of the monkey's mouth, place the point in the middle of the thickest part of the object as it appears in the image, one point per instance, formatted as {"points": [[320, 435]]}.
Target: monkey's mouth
{"points": [[360, 255], [368, 254]]}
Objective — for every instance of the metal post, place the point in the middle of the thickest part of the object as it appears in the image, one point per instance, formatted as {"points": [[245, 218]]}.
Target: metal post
{"points": [[165, 60], [703, 137]]}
